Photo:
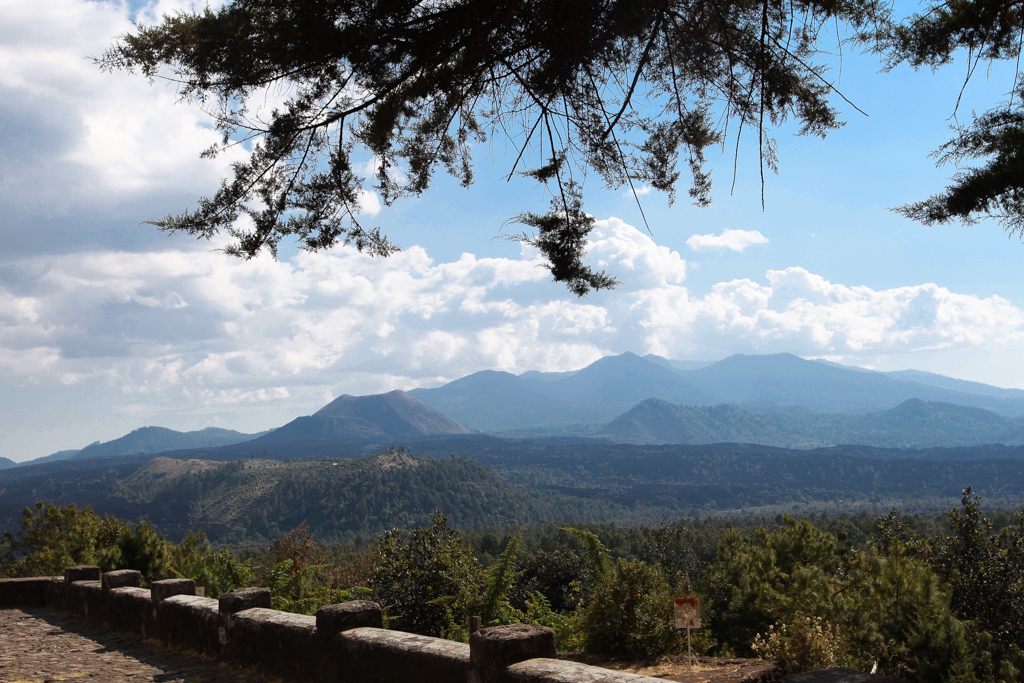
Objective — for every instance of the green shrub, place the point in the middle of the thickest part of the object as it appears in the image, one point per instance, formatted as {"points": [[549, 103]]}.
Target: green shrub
{"points": [[494, 607], [984, 571], [817, 606], [753, 580], [145, 550], [218, 571], [631, 613], [950, 651], [300, 577], [566, 625], [53, 538], [425, 580], [561, 576]]}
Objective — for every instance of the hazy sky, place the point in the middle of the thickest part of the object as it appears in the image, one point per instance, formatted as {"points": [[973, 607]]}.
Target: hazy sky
{"points": [[107, 325]]}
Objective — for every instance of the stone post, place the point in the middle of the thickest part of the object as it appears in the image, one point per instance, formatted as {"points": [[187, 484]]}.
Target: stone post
{"points": [[333, 619], [83, 572], [236, 601], [161, 590], [122, 578], [493, 650], [243, 599], [79, 582]]}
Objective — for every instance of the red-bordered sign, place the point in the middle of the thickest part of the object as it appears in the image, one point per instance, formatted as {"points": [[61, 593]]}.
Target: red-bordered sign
{"points": [[687, 612]]}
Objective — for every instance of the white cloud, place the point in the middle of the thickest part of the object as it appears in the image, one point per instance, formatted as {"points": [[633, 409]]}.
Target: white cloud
{"points": [[76, 136], [736, 240], [616, 244], [369, 203], [209, 329], [641, 191], [803, 313], [166, 333]]}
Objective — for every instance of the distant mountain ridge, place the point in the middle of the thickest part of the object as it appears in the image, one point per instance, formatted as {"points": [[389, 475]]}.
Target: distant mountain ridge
{"points": [[159, 439], [779, 400], [382, 418], [395, 413], [911, 424], [150, 440], [825, 388], [394, 416], [955, 384], [59, 455], [499, 402]]}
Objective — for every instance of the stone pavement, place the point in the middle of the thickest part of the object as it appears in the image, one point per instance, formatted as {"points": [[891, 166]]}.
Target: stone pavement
{"points": [[38, 645]]}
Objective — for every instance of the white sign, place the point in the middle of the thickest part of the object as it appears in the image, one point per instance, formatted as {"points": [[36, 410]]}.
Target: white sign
{"points": [[687, 612]]}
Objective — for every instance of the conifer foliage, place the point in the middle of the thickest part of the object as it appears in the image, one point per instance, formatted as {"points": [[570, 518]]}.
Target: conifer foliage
{"points": [[978, 31], [621, 88], [54, 537], [898, 594]]}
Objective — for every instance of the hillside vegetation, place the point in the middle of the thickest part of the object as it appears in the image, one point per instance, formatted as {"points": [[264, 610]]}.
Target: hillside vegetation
{"points": [[264, 498], [743, 478], [928, 600], [912, 424], [495, 482]]}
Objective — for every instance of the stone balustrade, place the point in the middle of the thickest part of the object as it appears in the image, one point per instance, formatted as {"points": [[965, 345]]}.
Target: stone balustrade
{"points": [[342, 644]]}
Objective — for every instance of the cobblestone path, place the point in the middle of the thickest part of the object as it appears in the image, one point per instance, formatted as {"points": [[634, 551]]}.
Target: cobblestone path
{"points": [[38, 645]]}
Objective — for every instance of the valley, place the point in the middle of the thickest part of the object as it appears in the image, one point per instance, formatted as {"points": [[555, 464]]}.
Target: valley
{"points": [[628, 439]]}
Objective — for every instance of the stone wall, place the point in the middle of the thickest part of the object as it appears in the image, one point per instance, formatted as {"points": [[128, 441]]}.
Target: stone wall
{"points": [[341, 644]]}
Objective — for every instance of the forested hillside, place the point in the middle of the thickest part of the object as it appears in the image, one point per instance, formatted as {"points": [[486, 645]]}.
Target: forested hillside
{"points": [[912, 424], [494, 482], [253, 499], [736, 477]]}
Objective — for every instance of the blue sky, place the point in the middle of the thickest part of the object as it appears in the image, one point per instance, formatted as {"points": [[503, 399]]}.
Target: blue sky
{"points": [[107, 325]]}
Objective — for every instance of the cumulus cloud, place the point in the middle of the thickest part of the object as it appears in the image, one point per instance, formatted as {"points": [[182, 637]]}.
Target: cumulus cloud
{"points": [[800, 312], [208, 329], [625, 249], [369, 203], [640, 190], [736, 240], [76, 136], [168, 332]]}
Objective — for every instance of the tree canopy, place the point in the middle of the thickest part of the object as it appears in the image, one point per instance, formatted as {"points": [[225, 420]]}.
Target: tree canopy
{"points": [[987, 31], [625, 89]]}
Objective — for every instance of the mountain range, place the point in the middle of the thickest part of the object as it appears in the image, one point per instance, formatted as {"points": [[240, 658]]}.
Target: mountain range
{"points": [[501, 402], [628, 439], [779, 400], [912, 424], [145, 440], [395, 416]]}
